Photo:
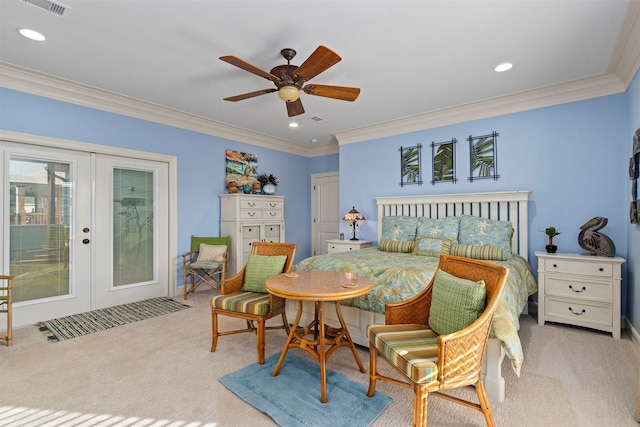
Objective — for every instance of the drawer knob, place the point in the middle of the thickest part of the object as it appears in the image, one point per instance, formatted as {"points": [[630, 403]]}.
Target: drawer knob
{"points": [[577, 314], [601, 269], [581, 290], [555, 265]]}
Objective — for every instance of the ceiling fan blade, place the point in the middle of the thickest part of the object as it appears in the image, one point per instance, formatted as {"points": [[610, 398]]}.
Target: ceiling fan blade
{"points": [[336, 92], [249, 67], [249, 95], [321, 59], [295, 108]]}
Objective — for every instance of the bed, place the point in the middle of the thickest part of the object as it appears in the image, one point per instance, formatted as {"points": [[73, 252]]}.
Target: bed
{"points": [[398, 273]]}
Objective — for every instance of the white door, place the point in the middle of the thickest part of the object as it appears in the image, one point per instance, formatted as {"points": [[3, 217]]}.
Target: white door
{"points": [[131, 231], [81, 231], [325, 209], [46, 206]]}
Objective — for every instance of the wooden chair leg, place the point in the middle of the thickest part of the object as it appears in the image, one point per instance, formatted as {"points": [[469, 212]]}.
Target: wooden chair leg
{"points": [[261, 340], [420, 400], [484, 404], [373, 356], [214, 329]]}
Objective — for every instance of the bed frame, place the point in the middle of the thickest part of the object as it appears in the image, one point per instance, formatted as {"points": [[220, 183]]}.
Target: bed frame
{"points": [[504, 206]]}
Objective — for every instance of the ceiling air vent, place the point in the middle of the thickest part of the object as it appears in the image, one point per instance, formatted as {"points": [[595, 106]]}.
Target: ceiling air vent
{"points": [[55, 8], [317, 119]]}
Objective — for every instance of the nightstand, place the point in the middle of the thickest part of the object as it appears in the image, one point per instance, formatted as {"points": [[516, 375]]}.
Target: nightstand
{"points": [[580, 290], [336, 245]]}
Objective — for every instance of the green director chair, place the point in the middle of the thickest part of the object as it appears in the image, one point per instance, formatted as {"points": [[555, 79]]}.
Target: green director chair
{"points": [[205, 263]]}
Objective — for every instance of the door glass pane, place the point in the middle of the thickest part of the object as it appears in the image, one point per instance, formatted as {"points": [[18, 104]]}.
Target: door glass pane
{"points": [[40, 217], [133, 260]]}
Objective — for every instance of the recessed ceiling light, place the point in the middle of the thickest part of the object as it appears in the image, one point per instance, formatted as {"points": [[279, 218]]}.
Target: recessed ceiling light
{"points": [[293, 125], [505, 66], [31, 34], [314, 140]]}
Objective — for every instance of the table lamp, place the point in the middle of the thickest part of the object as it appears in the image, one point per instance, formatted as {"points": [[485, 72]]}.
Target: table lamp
{"points": [[354, 218]]}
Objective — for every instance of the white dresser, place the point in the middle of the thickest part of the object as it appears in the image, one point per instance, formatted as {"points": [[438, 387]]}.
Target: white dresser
{"points": [[248, 218], [337, 245], [580, 290]]}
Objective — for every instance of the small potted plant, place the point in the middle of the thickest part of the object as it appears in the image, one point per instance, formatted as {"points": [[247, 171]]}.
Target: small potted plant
{"points": [[268, 182], [551, 232]]}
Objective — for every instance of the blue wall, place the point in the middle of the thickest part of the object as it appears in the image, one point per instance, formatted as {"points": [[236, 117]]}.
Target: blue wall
{"points": [[633, 258], [573, 157], [201, 160]]}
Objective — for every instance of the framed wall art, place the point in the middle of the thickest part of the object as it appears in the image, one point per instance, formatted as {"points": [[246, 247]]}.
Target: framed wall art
{"points": [[634, 175], [443, 159], [410, 164], [242, 170], [483, 156]]}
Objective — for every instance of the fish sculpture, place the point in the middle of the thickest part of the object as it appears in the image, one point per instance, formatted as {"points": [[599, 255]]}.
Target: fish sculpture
{"points": [[592, 241]]}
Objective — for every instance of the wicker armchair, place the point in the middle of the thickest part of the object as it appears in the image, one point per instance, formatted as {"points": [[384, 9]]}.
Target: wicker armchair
{"points": [[251, 306], [455, 360]]}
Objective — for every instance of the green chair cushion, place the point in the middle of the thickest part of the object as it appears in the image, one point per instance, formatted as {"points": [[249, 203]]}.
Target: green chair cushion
{"points": [[455, 303], [411, 347], [243, 302], [259, 269]]}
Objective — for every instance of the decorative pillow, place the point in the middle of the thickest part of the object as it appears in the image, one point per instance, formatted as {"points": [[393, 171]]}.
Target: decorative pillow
{"points": [[399, 228], [455, 303], [396, 246], [431, 246], [259, 269], [442, 227], [487, 253], [486, 232], [211, 253]]}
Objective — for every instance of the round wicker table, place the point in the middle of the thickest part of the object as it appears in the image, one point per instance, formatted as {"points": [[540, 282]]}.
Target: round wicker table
{"points": [[318, 286]]}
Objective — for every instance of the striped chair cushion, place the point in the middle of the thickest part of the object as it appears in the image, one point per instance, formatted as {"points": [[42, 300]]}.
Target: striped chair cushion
{"points": [[412, 348], [243, 302]]}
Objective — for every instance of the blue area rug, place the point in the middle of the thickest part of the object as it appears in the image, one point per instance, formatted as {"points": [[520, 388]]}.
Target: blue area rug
{"points": [[293, 397]]}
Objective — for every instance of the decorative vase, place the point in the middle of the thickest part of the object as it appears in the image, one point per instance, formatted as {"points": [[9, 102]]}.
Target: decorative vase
{"points": [[551, 249], [269, 189], [246, 188]]}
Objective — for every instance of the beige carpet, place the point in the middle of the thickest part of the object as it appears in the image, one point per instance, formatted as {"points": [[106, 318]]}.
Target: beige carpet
{"points": [[159, 372]]}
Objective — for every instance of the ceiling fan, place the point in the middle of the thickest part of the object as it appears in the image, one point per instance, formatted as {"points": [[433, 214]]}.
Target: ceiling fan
{"points": [[290, 79]]}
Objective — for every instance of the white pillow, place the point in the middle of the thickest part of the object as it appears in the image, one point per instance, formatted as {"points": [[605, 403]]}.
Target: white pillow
{"points": [[211, 253]]}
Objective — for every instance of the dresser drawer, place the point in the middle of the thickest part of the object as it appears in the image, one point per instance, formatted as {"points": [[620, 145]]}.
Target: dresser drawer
{"points": [[271, 214], [250, 204], [275, 205], [250, 214], [577, 313], [587, 267], [575, 288]]}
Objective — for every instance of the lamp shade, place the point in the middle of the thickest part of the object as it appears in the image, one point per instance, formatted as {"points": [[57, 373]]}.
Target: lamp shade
{"points": [[289, 93], [353, 217]]}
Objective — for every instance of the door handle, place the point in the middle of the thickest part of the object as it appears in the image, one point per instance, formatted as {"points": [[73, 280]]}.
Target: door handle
{"points": [[85, 241]]}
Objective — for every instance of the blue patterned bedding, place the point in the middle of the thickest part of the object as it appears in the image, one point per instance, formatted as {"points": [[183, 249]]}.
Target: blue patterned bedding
{"points": [[398, 276]]}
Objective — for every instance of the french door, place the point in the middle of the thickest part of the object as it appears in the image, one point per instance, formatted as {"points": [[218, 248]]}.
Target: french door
{"points": [[81, 230]]}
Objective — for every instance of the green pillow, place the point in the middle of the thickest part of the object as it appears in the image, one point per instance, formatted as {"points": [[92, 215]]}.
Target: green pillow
{"points": [[259, 269], [402, 246], [455, 303]]}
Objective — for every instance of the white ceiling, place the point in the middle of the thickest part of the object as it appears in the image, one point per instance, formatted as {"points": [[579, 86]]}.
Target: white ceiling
{"points": [[408, 57]]}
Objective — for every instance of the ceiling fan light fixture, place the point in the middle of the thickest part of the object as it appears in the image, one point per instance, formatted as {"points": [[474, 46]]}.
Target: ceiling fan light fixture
{"points": [[289, 93]]}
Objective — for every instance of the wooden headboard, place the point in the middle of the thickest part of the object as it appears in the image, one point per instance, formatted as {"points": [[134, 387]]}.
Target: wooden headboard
{"points": [[502, 206]]}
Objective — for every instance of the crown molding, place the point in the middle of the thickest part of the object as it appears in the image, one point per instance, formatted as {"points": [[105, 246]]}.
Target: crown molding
{"points": [[577, 90], [625, 60], [41, 84]]}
